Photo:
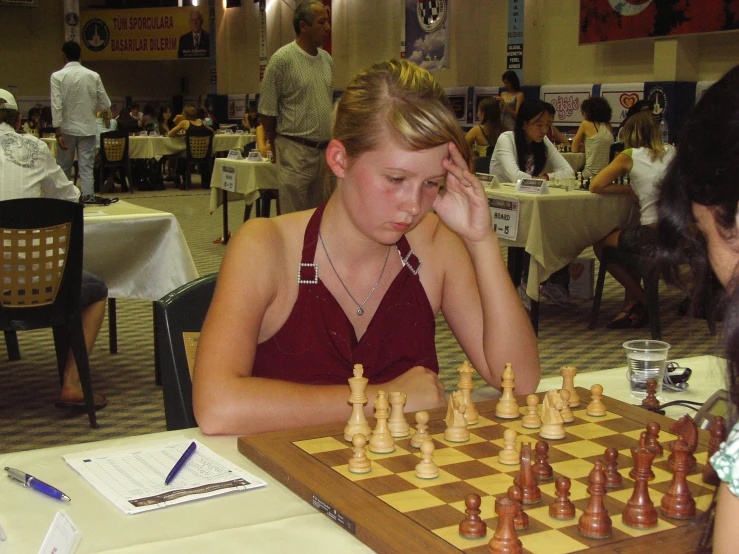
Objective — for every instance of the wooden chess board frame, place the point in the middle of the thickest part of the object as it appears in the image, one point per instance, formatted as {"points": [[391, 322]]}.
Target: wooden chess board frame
{"points": [[385, 529]]}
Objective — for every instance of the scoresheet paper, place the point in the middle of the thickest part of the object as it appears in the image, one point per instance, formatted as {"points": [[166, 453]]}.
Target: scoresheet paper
{"points": [[133, 478]]}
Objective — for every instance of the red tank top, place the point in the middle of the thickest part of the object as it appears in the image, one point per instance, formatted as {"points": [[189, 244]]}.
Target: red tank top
{"points": [[318, 345]]}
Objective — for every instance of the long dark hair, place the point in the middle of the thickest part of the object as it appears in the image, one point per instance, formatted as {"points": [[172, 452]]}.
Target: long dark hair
{"points": [[162, 123], [531, 108], [491, 117], [512, 78], [704, 172]]}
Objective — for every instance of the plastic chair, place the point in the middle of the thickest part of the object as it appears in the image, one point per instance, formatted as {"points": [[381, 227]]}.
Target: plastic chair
{"points": [[615, 148], [114, 155], [482, 164], [650, 277], [182, 310], [41, 253], [199, 151]]}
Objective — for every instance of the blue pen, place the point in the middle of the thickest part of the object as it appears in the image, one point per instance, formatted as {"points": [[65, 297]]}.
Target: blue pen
{"points": [[30, 481], [180, 463]]}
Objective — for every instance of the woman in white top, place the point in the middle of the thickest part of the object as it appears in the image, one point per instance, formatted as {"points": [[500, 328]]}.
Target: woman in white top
{"points": [[595, 136], [645, 159], [525, 152], [510, 99]]}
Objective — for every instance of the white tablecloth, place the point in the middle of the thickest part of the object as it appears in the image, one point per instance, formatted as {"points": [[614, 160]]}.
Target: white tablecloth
{"points": [[555, 227], [156, 147], [251, 177], [270, 519], [138, 252]]}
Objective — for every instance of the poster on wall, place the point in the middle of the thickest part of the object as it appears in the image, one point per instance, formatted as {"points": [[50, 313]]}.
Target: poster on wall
{"points": [[566, 100], [606, 20], [427, 33], [145, 34], [621, 96], [514, 54], [236, 106]]}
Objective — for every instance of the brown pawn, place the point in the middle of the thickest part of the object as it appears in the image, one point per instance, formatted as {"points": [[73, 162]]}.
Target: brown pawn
{"points": [[651, 401], [718, 435], [521, 521], [643, 444], [542, 470], [678, 502], [653, 430], [505, 540], [525, 479], [594, 523], [613, 477], [562, 507], [472, 526]]}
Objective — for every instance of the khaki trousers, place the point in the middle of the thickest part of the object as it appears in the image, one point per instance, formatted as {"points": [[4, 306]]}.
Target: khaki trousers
{"points": [[302, 171]]}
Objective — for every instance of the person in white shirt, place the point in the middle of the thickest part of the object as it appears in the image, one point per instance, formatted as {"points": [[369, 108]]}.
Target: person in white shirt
{"points": [[28, 170], [77, 94]]}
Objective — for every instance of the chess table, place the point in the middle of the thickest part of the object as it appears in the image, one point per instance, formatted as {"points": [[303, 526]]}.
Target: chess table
{"points": [[391, 510]]}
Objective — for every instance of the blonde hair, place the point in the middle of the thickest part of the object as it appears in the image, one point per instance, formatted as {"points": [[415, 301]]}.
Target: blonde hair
{"points": [[190, 113], [398, 98], [641, 131], [106, 116]]}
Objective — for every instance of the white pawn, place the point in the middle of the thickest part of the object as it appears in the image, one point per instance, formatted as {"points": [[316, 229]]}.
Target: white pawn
{"points": [[397, 423], [359, 462], [531, 420], [507, 407], [566, 412], [596, 408], [509, 455], [381, 441], [422, 429], [426, 468]]}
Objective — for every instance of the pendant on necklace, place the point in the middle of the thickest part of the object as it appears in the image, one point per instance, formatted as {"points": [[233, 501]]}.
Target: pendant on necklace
{"points": [[360, 311]]}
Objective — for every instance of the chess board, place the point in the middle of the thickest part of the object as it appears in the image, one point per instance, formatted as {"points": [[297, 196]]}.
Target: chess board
{"points": [[391, 510]]}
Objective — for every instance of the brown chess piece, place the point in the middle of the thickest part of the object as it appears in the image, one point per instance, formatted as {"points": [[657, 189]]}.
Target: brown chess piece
{"points": [[653, 430], [521, 521], [678, 502], [718, 435], [525, 479], [613, 477], [643, 444], [472, 526], [651, 401], [542, 470], [562, 507], [594, 523], [686, 429], [639, 512], [505, 540]]}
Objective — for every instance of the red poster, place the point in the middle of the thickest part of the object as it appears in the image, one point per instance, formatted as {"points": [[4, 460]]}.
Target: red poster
{"points": [[606, 20]]}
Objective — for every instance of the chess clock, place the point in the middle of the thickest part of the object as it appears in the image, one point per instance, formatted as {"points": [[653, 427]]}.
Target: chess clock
{"points": [[719, 404]]}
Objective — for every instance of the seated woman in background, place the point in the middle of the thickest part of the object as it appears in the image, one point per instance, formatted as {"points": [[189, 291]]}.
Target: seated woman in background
{"points": [[524, 152], [45, 119], [33, 126], [189, 117], [482, 137], [149, 121], [165, 119], [701, 191], [251, 120], [595, 135], [375, 266], [645, 159]]}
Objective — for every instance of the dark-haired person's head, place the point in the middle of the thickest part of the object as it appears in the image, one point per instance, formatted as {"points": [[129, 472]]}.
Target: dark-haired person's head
{"points": [[597, 109], [532, 125], [34, 114], [488, 112], [511, 78], [639, 106], [71, 51]]}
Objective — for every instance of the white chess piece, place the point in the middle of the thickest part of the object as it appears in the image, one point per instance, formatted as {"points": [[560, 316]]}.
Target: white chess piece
{"points": [[397, 423], [552, 424], [422, 433], [531, 420], [507, 407], [568, 374], [381, 441], [566, 412], [357, 421], [596, 408], [359, 462], [457, 431], [426, 468], [466, 385], [509, 455]]}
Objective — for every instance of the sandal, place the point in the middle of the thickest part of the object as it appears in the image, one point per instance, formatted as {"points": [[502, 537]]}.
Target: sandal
{"points": [[639, 316], [621, 321]]}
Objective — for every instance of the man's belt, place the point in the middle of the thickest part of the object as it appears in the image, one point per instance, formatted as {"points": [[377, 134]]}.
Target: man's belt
{"points": [[306, 142]]}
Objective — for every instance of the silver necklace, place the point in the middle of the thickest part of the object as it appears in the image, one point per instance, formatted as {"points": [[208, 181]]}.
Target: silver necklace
{"points": [[360, 307]]}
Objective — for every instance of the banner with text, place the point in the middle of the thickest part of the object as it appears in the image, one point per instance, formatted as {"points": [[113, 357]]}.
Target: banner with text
{"points": [[145, 34], [514, 56], [621, 96], [566, 100]]}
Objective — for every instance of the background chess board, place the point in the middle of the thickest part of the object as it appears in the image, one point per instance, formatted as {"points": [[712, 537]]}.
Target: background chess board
{"points": [[391, 510]]}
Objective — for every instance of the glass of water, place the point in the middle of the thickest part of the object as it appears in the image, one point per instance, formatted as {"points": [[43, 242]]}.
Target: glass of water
{"points": [[646, 360]]}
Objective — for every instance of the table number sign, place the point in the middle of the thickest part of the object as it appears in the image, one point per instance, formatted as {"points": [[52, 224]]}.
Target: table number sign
{"points": [[228, 181], [505, 212], [532, 186], [143, 134], [255, 156], [235, 155], [488, 181]]}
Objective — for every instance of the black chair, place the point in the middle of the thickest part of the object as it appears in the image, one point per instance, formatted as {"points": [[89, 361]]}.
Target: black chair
{"points": [[616, 147], [41, 249], [182, 310], [482, 164], [650, 277], [199, 152], [114, 155]]}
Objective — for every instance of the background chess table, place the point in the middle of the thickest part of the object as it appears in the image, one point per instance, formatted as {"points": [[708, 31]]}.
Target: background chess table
{"points": [[391, 510]]}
